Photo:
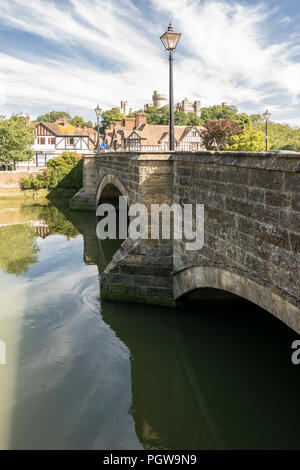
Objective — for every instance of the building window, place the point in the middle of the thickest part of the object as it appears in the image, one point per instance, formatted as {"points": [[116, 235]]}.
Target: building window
{"points": [[133, 144], [51, 141], [41, 140], [194, 133], [70, 140]]}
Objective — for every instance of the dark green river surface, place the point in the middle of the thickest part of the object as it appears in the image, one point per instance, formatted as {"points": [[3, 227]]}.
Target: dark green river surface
{"points": [[82, 373]]}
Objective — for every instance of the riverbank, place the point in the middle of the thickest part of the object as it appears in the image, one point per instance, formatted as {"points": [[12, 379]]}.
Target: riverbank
{"points": [[11, 187], [17, 193]]}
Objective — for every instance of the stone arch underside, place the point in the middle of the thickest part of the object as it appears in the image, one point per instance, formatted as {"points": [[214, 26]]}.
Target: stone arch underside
{"points": [[280, 304], [111, 182]]}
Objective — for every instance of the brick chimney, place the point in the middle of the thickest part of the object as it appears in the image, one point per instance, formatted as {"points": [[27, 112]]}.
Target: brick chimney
{"points": [[129, 123], [117, 123], [63, 121], [27, 119], [141, 118]]}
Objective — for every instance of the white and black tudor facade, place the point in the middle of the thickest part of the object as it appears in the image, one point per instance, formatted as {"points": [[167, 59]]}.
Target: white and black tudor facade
{"points": [[54, 138]]}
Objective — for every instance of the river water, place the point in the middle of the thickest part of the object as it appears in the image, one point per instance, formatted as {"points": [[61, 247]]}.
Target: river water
{"points": [[81, 373]]}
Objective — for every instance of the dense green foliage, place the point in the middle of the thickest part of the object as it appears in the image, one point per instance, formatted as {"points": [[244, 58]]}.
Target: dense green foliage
{"points": [[64, 171], [249, 140], [281, 136], [111, 116], [35, 182], [161, 116], [78, 121], [16, 139], [52, 116], [213, 113]]}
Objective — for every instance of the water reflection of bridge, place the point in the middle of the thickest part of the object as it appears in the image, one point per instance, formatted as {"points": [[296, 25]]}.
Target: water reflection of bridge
{"points": [[190, 388]]}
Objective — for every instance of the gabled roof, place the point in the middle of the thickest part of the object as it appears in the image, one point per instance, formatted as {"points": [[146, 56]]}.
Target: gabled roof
{"points": [[65, 131]]}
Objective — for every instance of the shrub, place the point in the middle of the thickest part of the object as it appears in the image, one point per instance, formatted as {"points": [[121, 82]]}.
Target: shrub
{"points": [[64, 171], [34, 182]]}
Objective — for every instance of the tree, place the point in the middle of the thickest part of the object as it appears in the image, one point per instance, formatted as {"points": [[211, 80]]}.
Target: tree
{"points": [[255, 118], [157, 116], [213, 113], [53, 116], [249, 140], [281, 136], [180, 118], [242, 119], [110, 116], [16, 139], [193, 120], [78, 121], [64, 171], [221, 131], [160, 116]]}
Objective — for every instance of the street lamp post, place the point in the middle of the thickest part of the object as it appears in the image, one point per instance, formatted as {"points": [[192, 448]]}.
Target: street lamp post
{"points": [[98, 111], [267, 116], [170, 40]]}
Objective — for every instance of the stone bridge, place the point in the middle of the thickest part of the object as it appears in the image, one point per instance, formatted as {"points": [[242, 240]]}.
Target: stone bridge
{"points": [[252, 227]]}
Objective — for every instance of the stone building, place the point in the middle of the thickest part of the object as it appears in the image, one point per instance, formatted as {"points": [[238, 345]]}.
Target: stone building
{"points": [[124, 109], [188, 107], [185, 105], [158, 99]]}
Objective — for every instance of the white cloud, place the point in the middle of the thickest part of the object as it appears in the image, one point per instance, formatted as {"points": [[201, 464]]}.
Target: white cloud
{"points": [[226, 53]]}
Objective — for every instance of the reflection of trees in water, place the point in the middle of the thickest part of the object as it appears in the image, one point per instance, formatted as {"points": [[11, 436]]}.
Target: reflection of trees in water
{"points": [[18, 242], [18, 248], [57, 222], [53, 216]]}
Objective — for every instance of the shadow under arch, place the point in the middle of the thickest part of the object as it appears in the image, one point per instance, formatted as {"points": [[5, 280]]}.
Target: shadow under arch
{"points": [[109, 189], [233, 283]]}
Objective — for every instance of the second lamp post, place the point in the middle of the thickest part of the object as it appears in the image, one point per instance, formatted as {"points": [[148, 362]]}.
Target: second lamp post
{"points": [[98, 112], [170, 40], [267, 116]]}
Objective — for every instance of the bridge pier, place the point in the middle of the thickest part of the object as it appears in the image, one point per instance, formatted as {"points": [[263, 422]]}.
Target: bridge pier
{"points": [[141, 273]]}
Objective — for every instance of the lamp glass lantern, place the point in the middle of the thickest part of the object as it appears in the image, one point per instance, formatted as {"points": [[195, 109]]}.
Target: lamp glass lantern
{"points": [[267, 115], [170, 39], [98, 110]]}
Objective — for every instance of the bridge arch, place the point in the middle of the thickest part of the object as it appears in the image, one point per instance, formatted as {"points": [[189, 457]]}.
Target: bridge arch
{"points": [[111, 187], [234, 282]]}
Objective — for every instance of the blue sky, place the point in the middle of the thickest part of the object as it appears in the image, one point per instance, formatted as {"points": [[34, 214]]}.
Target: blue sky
{"points": [[74, 54]]}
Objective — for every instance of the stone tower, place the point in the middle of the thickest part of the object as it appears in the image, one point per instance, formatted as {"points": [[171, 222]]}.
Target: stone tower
{"points": [[158, 99], [197, 108], [124, 108]]}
